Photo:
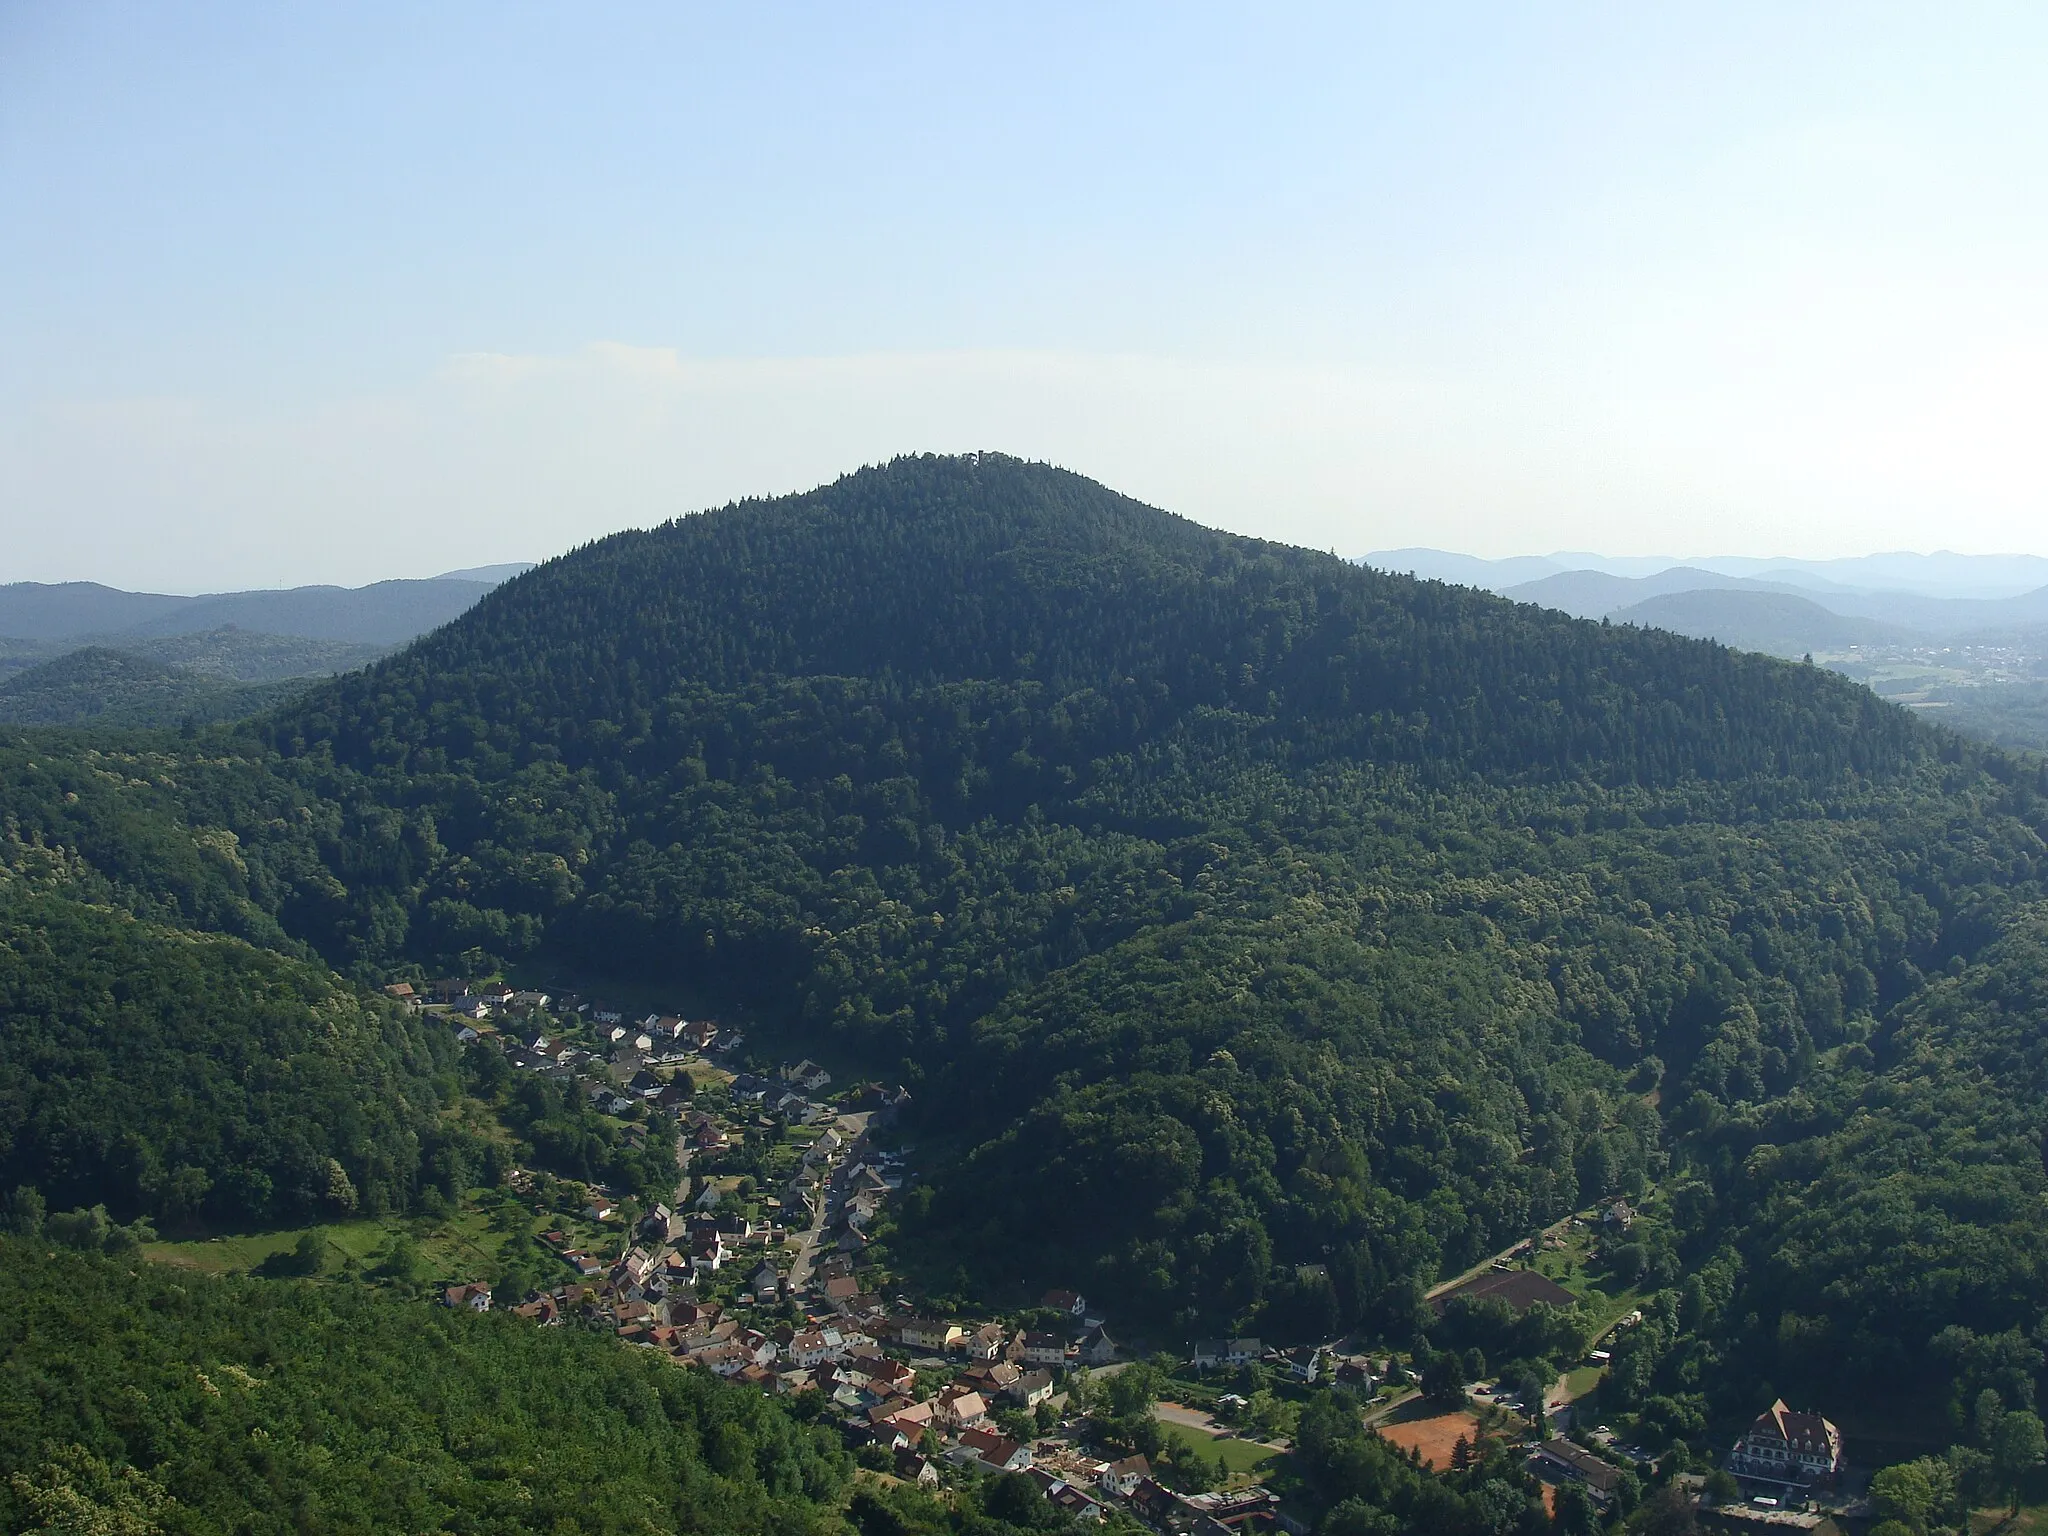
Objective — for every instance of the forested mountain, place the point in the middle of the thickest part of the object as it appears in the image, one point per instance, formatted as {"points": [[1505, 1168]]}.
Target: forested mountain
{"points": [[1262, 937], [99, 686]]}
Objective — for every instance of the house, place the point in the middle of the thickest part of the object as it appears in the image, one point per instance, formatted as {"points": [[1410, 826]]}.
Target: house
{"points": [[1210, 1353], [997, 1452], [913, 1468], [889, 1375], [1044, 1349], [1029, 1391], [526, 1002], [1240, 1509], [475, 1297], [928, 1333], [1070, 1302], [1304, 1363], [1559, 1458], [1620, 1216], [992, 1378], [1787, 1448], [402, 991], [1355, 1374], [963, 1407], [724, 1359], [910, 1422], [1122, 1477], [470, 1007], [1070, 1500], [1098, 1348], [1519, 1289], [466, 1035], [809, 1348], [807, 1075], [766, 1282], [986, 1343], [708, 1252]]}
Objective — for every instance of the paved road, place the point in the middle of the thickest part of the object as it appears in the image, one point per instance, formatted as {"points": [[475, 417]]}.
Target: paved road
{"points": [[807, 1249], [682, 1194], [853, 1127]]}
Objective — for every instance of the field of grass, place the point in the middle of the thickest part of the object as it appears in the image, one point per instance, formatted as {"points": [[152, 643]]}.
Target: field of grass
{"points": [[1239, 1457], [456, 1246], [2032, 1520], [1580, 1381]]}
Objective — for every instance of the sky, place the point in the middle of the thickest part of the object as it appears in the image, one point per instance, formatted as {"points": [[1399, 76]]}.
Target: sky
{"points": [[343, 292]]}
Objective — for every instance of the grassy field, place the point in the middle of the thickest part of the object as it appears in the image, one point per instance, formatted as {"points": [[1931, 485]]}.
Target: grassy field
{"points": [[460, 1245], [2032, 1520], [1239, 1457], [1572, 1267]]}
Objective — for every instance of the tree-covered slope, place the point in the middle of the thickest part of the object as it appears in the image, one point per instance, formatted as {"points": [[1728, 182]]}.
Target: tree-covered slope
{"points": [[1261, 937], [1293, 913], [100, 686], [136, 1398], [187, 1075]]}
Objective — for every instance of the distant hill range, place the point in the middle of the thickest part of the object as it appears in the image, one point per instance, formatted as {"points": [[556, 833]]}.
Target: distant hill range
{"points": [[385, 613], [77, 652], [1780, 606]]}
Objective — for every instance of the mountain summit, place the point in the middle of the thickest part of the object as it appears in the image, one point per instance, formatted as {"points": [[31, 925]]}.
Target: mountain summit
{"points": [[988, 570]]}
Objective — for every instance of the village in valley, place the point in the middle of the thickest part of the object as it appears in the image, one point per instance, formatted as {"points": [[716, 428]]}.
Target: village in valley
{"points": [[763, 1267]]}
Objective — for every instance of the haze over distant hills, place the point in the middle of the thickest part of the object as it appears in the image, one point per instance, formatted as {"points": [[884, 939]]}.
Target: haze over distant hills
{"points": [[1938, 595], [383, 613], [1941, 574], [77, 652], [1962, 636]]}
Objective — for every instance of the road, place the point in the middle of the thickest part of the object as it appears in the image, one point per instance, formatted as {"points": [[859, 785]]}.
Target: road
{"points": [[682, 1195], [853, 1127]]}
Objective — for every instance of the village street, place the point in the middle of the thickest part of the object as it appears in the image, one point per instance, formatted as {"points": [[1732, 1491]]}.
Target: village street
{"points": [[853, 1127]]}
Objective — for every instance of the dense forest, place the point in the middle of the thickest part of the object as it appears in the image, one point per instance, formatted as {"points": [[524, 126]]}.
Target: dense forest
{"points": [[145, 1398], [1261, 937], [96, 685]]}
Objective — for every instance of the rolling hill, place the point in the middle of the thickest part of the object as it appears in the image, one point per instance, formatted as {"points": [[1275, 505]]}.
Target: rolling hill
{"points": [[95, 685], [1777, 623], [1262, 937], [384, 613]]}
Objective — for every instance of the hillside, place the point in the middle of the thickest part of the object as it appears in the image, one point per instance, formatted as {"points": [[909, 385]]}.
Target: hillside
{"points": [[1091, 817], [1262, 938], [138, 1399], [1778, 623], [1597, 594], [99, 686]]}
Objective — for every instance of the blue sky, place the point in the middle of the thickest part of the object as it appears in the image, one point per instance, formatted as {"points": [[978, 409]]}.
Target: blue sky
{"points": [[294, 293]]}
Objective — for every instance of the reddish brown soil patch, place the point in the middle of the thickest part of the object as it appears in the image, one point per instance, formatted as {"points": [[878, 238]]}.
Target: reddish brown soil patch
{"points": [[1435, 1438]]}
